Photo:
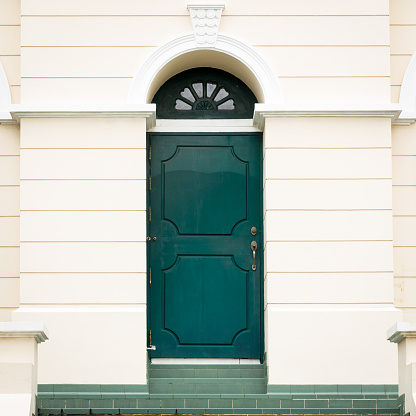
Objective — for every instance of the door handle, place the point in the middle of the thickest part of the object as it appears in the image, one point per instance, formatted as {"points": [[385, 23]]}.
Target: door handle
{"points": [[254, 249]]}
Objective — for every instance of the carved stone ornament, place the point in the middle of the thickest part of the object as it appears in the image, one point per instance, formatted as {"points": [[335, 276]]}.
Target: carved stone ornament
{"points": [[206, 23]]}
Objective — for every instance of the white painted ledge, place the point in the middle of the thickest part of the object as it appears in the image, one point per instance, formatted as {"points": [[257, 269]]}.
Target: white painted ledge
{"points": [[36, 330], [400, 331], [148, 111], [263, 111]]}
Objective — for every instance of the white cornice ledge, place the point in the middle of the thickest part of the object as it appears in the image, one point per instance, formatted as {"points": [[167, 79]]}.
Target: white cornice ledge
{"points": [[263, 111], [36, 330], [6, 117], [401, 330], [147, 111]]}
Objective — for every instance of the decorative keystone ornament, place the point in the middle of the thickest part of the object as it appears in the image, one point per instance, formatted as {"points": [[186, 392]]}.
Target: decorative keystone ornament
{"points": [[206, 23]]}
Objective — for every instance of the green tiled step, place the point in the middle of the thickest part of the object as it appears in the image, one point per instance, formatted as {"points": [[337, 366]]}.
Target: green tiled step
{"points": [[207, 379], [206, 406], [210, 380], [207, 385], [198, 412], [220, 371]]}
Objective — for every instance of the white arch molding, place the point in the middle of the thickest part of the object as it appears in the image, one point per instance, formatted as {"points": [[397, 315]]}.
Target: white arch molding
{"points": [[182, 53], [408, 92]]}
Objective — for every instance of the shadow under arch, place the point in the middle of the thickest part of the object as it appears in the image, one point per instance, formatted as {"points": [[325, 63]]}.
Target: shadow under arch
{"points": [[229, 54]]}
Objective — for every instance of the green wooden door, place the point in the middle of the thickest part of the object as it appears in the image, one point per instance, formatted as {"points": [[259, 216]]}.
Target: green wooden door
{"points": [[205, 197]]}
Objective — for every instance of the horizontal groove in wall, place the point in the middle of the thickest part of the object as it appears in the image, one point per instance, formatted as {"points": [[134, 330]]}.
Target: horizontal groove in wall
{"points": [[404, 216], [287, 45], [95, 77], [325, 148], [337, 272], [329, 303], [325, 241], [404, 277], [77, 272], [330, 179], [81, 241], [324, 210], [223, 15], [74, 179], [79, 210], [82, 303], [87, 46], [100, 148]]}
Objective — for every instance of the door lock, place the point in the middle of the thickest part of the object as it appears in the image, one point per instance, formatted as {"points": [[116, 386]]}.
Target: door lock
{"points": [[254, 249]]}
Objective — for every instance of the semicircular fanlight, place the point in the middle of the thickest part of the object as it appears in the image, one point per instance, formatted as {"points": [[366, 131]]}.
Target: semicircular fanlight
{"points": [[204, 93]]}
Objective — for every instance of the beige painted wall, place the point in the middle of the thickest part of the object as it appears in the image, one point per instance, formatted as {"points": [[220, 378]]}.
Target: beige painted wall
{"points": [[9, 220], [10, 44], [328, 256], [328, 185], [403, 43], [404, 210], [96, 62], [83, 233]]}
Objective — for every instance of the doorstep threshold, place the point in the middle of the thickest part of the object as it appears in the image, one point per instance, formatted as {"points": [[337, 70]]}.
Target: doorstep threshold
{"points": [[213, 361]]}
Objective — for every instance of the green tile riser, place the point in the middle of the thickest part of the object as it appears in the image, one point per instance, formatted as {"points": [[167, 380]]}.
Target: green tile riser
{"points": [[217, 403], [207, 380]]}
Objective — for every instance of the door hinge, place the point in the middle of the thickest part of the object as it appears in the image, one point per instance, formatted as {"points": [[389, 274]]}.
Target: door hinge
{"points": [[150, 277], [150, 183], [150, 214], [151, 347]]}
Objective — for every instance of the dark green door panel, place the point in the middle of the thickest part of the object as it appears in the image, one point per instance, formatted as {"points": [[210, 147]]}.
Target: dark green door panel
{"points": [[205, 299]]}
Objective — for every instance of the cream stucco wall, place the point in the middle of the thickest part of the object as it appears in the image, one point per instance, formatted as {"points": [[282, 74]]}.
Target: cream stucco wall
{"points": [[327, 181], [10, 44], [83, 232], [9, 164], [95, 62], [403, 45], [9, 220], [329, 260]]}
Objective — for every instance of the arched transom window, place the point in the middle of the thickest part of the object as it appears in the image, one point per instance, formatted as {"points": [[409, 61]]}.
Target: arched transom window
{"points": [[204, 93]]}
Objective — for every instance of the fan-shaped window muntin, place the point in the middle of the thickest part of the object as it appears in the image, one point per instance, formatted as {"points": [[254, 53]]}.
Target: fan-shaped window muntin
{"points": [[204, 96], [204, 93]]}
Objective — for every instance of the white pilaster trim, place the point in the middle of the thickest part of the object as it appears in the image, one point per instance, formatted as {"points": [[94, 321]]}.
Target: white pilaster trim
{"points": [[263, 111], [5, 98], [143, 78], [400, 331], [35, 330], [148, 111]]}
